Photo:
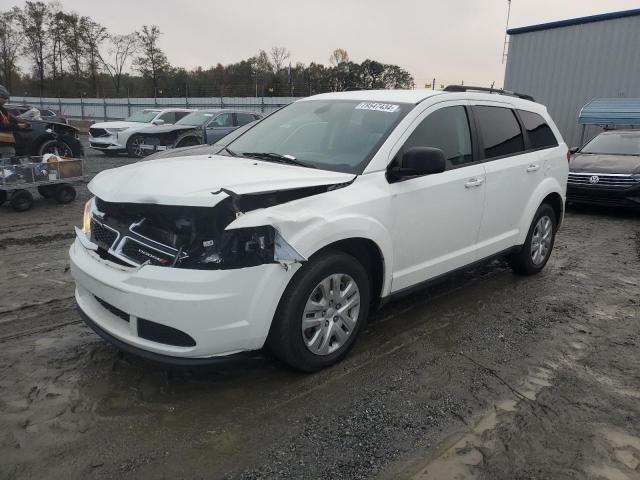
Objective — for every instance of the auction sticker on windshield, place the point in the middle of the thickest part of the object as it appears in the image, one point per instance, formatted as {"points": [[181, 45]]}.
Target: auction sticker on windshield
{"points": [[379, 107]]}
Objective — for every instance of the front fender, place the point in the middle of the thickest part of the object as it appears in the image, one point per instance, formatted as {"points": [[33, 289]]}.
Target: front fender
{"points": [[548, 186], [300, 229]]}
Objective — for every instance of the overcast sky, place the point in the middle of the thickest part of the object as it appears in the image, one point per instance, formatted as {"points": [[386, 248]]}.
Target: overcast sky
{"points": [[451, 40]]}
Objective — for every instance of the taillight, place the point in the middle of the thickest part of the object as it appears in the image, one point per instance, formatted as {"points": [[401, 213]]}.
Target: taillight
{"points": [[568, 155]]}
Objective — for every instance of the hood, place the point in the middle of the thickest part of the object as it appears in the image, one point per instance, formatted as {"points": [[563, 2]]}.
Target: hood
{"points": [[599, 163], [122, 124], [191, 181], [158, 129]]}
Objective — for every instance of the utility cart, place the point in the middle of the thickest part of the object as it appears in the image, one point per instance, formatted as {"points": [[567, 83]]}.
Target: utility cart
{"points": [[52, 176]]}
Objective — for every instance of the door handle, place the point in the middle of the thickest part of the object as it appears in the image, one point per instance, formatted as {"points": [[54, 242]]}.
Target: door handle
{"points": [[533, 167], [474, 182]]}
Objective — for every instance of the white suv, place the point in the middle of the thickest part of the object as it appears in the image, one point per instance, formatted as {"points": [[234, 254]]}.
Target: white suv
{"points": [[318, 213], [121, 136]]}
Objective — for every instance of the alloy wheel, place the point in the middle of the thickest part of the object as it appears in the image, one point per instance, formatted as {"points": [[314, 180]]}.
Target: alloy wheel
{"points": [[541, 240], [330, 314]]}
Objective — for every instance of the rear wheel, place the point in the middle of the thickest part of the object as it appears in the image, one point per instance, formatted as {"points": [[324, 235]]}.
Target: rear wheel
{"points": [[134, 148], [64, 193], [21, 200], [47, 191], [535, 252], [321, 312]]}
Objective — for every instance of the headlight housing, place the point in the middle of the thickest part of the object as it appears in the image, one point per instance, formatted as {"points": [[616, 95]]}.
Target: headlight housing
{"points": [[86, 218], [241, 248], [116, 130]]}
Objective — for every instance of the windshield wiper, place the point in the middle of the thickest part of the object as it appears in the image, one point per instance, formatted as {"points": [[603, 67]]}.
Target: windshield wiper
{"points": [[288, 159]]}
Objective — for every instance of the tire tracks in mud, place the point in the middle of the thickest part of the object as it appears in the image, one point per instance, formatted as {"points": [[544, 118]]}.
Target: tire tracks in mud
{"points": [[35, 240]]}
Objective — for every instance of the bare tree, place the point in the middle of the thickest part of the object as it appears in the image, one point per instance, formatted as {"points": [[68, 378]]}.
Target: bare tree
{"points": [[122, 48], [32, 19], [338, 56], [56, 42], [278, 56], [152, 62], [72, 41], [93, 35], [11, 39]]}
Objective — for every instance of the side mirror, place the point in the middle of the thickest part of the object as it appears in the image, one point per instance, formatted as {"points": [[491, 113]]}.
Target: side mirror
{"points": [[573, 150], [418, 161], [158, 122]]}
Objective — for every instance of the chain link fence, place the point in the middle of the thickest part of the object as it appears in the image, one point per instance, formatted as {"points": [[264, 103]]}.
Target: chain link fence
{"points": [[120, 108]]}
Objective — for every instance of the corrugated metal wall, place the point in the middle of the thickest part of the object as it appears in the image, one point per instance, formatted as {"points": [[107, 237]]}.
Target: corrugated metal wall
{"points": [[566, 67]]}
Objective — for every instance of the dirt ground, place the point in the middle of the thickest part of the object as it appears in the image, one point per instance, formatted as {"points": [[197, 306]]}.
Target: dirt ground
{"points": [[487, 375]]}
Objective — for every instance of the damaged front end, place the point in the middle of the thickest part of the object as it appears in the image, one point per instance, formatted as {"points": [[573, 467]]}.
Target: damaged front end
{"points": [[136, 234]]}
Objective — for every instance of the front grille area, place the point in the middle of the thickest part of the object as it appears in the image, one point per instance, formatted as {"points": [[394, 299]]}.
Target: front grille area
{"points": [[116, 311], [141, 253], [102, 236], [98, 132], [604, 180], [156, 332]]}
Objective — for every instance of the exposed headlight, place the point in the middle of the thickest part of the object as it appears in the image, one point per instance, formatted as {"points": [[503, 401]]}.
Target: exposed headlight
{"points": [[243, 247], [86, 219]]}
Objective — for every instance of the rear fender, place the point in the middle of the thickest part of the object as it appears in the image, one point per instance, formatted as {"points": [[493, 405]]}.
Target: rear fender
{"points": [[547, 186]]}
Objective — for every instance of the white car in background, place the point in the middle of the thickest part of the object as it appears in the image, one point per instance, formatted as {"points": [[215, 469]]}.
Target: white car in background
{"points": [[117, 137]]}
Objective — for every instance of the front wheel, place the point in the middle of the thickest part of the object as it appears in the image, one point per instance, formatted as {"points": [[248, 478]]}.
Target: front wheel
{"points": [[134, 146], [535, 252], [56, 147], [321, 312]]}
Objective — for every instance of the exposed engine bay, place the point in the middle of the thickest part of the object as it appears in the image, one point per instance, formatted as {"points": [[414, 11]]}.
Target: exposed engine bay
{"points": [[135, 234]]}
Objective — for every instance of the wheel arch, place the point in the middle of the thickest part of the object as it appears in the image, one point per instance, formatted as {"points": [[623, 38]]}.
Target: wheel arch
{"points": [[549, 191], [368, 253]]}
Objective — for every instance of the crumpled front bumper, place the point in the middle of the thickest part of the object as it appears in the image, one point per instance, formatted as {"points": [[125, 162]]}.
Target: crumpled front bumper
{"points": [[223, 311]]}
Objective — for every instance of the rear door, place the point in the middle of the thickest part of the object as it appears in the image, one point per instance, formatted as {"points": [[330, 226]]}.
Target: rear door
{"points": [[513, 171], [437, 217]]}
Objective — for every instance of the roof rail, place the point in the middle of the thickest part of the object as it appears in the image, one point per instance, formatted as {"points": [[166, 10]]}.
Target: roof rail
{"points": [[466, 88]]}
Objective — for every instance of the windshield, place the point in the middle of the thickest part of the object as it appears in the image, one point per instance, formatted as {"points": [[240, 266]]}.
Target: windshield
{"points": [[195, 119], [338, 135], [623, 143], [143, 116]]}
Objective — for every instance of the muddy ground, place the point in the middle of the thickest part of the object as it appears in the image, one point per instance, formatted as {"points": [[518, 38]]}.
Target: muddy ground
{"points": [[487, 375]]}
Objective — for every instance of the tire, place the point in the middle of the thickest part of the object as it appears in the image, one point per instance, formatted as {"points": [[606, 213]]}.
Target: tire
{"points": [[46, 191], [57, 147], [288, 340], [21, 200], [526, 261], [64, 193], [3, 197], [133, 148]]}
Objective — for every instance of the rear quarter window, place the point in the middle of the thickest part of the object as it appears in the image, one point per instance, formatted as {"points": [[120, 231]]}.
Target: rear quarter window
{"points": [[539, 132], [500, 131]]}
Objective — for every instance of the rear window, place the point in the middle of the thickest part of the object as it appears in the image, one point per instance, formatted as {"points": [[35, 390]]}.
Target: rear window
{"points": [[539, 132], [501, 134]]}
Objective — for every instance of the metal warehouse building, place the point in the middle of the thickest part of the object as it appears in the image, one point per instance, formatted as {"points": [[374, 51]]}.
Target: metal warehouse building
{"points": [[566, 64]]}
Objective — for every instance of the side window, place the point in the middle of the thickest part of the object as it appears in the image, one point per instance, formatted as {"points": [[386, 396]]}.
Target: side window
{"points": [[180, 115], [448, 130], [168, 117], [501, 134], [223, 120], [540, 134], [244, 118]]}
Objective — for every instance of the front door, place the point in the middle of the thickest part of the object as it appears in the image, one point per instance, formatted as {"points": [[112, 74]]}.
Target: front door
{"points": [[437, 217], [219, 127]]}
